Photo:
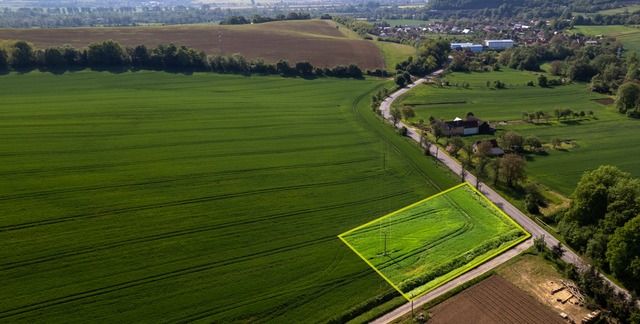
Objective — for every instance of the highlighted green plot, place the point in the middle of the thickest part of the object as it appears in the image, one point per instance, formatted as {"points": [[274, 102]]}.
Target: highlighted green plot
{"points": [[424, 245]]}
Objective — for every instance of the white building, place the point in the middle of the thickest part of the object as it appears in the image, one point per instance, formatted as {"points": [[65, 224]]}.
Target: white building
{"points": [[473, 47], [497, 44]]}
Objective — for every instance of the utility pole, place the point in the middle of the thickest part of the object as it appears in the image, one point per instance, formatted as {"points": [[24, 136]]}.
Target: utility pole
{"points": [[385, 243], [412, 315]]}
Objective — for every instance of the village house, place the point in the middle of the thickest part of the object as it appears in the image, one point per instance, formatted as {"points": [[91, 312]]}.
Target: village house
{"points": [[459, 127], [495, 148]]}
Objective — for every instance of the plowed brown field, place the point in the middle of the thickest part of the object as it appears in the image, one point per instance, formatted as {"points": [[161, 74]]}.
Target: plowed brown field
{"points": [[316, 41], [494, 300]]}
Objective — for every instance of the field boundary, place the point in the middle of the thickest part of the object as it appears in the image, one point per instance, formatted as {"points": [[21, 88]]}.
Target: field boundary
{"points": [[455, 273]]}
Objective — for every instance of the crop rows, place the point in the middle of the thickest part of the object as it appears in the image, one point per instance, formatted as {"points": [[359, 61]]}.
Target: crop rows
{"points": [[128, 197]]}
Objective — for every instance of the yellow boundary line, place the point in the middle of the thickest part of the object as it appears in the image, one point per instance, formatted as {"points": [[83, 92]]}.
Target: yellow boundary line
{"points": [[480, 262]]}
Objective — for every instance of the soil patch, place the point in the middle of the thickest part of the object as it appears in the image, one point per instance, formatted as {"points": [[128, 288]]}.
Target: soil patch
{"points": [[537, 278], [315, 41], [605, 101], [494, 300]]}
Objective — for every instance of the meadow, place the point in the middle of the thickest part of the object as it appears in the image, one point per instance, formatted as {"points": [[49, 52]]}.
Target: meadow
{"points": [[394, 53], [603, 139], [161, 197], [629, 36], [426, 244], [625, 9]]}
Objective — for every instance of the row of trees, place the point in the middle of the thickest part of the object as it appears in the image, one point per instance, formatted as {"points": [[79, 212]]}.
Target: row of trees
{"points": [[363, 28], [256, 18], [110, 55]]}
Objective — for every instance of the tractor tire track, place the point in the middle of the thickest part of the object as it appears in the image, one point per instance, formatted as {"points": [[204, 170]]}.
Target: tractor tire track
{"points": [[155, 278], [167, 235], [190, 157], [183, 178], [234, 140], [182, 202]]}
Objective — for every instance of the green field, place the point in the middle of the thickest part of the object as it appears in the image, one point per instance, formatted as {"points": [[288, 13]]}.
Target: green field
{"points": [[600, 140], [406, 22], [629, 8], [158, 197], [394, 53], [424, 245], [629, 36], [496, 104]]}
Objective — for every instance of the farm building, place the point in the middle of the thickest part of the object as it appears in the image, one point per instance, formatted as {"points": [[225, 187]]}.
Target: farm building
{"points": [[462, 127], [473, 47], [497, 44]]}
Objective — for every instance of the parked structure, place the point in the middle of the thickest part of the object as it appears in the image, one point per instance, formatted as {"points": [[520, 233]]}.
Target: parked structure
{"points": [[498, 44], [473, 47]]}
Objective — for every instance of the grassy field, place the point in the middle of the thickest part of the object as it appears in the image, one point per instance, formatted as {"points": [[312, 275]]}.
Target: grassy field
{"points": [[316, 41], [424, 245], [394, 53], [596, 141], [496, 104], [155, 197], [629, 36], [629, 8]]}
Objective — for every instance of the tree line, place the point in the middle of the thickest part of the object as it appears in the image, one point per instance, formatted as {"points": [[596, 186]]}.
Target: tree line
{"points": [[257, 19], [110, 55], [603, 222]]}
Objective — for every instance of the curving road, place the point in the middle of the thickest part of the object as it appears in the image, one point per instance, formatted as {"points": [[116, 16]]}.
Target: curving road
{"points": [[522, 219]]}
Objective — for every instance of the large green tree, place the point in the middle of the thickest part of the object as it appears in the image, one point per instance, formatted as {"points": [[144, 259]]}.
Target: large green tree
{"points": [[106, 54], [591, 196], [623, 250], [512, 168], [628, 97], [511, 140], [4, 59], [23, 55]]}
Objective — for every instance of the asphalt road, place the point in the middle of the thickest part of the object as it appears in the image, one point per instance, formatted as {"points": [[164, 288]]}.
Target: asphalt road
{"points": [[522, 219]]}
